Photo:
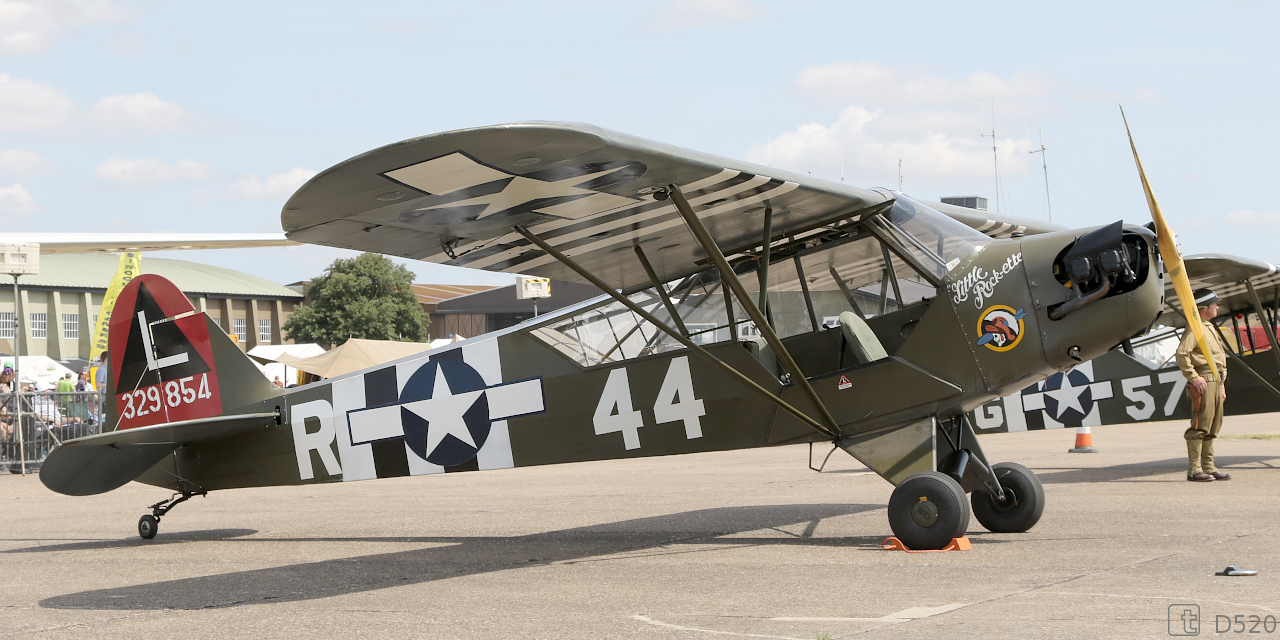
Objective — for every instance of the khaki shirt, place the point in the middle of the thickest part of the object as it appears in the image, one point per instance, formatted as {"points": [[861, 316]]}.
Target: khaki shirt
{"points": [[1192, 361]]}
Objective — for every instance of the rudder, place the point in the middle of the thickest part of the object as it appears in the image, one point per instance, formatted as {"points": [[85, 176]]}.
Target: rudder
{"points": [[169, 363]]}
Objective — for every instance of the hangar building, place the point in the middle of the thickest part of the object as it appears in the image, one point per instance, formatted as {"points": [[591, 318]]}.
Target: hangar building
{"points": [[60, 305]]}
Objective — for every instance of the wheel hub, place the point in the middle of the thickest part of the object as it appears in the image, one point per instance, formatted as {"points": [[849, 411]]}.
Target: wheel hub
{"points": [[1010, 502], [924, 513]]}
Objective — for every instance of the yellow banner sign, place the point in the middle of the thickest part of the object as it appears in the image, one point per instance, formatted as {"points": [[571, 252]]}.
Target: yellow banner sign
{"points": [[129, 266]]}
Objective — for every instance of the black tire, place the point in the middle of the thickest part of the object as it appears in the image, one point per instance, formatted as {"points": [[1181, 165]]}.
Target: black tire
{"points": [[928, 510], [1024, 509], [148, 526]]}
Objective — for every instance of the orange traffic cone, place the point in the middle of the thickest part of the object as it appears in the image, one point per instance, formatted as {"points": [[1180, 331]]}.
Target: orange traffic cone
{"points": [[1084, 441]]}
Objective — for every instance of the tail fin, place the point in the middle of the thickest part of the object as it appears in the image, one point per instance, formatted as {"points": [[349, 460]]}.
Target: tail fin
{"points": [[168, 363]]}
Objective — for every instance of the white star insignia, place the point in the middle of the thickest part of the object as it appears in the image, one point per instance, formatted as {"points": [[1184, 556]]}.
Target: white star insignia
{"points": [[1068, 397], [443, 412]]}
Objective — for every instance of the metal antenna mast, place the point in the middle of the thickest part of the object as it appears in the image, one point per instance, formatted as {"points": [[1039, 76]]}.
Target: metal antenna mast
{"points": [[1044, 162], [994, 154], [899, 159]]}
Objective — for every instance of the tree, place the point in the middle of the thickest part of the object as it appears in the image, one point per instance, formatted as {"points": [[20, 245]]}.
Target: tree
{"points": [[364, 297]]}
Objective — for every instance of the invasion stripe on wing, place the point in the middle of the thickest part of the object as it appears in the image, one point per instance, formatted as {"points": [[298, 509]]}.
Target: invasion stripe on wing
{"points": [[630, 217], [659, 213], [539, 259]]}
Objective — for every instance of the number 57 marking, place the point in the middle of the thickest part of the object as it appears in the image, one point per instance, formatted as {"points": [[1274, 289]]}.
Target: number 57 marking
{"points": [[1145, 404]]}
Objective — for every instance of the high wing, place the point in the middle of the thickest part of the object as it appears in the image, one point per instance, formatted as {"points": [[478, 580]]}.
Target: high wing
{"points": [[454, 198], [1227, 275], [120, 242]]}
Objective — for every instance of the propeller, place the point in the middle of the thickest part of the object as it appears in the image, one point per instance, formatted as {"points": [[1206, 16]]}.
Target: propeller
{"points": [[1172, 259]]}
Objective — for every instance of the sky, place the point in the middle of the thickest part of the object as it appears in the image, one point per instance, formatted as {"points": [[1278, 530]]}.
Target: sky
{"points": [[153, 116]]}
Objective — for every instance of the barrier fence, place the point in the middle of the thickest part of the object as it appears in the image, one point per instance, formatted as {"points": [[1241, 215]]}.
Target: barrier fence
{"points": [[32, 423]]}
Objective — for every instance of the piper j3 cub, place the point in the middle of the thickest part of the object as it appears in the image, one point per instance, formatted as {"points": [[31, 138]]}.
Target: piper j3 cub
{"points": [[744, 307]]}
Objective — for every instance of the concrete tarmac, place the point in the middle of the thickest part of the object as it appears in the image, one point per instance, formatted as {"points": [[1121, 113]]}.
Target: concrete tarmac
{"points": [[744, 544]]}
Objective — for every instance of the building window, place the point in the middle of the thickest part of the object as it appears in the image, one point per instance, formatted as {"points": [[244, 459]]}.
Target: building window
{"points": [[95, 322], [264, 331], [239, 329], [39, 326], [71, 326], [6, 324]]}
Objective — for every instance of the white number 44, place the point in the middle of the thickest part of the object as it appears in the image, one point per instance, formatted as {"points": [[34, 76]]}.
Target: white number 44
{"points": [[675, 403]]}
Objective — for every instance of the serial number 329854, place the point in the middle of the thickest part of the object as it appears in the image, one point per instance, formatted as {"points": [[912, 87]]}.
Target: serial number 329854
{"points": [[176, 393]]}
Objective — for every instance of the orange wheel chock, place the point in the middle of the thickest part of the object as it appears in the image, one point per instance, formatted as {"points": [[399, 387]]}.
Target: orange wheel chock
{"points": [[957, 544]]}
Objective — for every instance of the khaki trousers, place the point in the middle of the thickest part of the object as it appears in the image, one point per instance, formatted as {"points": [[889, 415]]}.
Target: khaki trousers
{"points": [[1206, 421]]}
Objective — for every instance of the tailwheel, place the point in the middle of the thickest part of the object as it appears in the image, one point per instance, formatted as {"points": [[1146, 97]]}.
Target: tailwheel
{"points": [[148, 526], [1023, 503], [928, 510]]}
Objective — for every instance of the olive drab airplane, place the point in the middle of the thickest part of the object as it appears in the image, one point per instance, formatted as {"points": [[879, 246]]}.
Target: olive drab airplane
{"points": [[743, 306]]}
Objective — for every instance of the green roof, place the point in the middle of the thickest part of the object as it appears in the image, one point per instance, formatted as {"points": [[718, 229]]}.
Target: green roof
{"points": [[94, 271]]}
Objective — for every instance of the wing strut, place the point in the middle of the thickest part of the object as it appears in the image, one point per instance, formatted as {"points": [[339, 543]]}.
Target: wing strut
{"points": [[763, 269], [677, 336], [804, 287], [1257, 306], [662, 291], [730, 278]]}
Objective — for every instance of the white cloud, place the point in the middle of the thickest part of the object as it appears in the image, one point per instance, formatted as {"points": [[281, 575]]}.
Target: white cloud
{"points": [[931, 123], [22, 162], [1251, 218], [124, 170], [687, 14], [870, 84], [140, 112], [16, 201], [933, 145], [274, 187], [27, 105], [29, 26]]}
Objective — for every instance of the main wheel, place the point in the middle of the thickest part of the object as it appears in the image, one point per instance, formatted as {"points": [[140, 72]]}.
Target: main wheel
{"points": [[148, 526], [1024, 505], [928, 510]]}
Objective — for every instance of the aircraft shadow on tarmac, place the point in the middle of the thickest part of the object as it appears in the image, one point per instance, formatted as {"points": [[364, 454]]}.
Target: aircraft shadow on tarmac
{"points": [[133, 542], [462, 557], [1144, 469]]}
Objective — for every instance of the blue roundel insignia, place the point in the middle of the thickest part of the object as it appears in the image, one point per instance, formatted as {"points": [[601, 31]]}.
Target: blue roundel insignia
{"points": [[460, 425]]}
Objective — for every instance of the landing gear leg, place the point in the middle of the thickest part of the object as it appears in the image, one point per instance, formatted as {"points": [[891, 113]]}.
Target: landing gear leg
{"points": [[149, 525]]}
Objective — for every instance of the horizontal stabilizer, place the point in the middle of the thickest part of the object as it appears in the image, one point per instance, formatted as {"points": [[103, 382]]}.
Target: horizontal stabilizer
{"points": [[99, 463]]}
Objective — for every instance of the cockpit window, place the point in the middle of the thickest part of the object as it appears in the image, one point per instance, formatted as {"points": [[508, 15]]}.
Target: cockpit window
{"points": [[937, 240], [811, 280]]}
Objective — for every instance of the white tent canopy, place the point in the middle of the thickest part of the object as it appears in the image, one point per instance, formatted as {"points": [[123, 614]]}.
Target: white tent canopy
{"points": [[38, 369], [265, 357], [355, 354]]}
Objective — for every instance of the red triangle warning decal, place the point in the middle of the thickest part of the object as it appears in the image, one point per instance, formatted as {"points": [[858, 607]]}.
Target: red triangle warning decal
{"points": [[844, 383]]}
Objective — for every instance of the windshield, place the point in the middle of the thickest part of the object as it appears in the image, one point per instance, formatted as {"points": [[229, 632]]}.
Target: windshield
{"points": [[935, 238]]}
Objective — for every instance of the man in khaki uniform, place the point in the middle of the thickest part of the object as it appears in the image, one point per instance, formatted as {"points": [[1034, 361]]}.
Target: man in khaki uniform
{"points": [[1206, 392]]}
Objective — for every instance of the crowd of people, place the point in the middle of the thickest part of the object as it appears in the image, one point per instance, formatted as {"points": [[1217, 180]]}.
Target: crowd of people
{"points": [[50, 413]]}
